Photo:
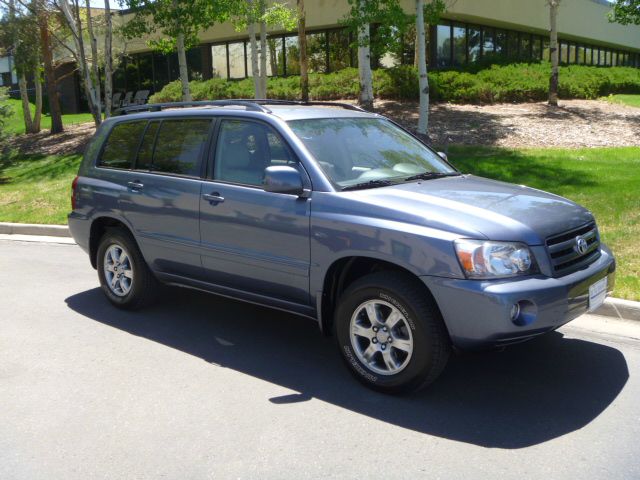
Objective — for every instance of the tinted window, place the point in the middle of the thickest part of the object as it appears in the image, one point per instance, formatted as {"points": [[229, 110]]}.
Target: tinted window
{"points": [[179, 146], [146, 147], [122, 145], [245, 149]]}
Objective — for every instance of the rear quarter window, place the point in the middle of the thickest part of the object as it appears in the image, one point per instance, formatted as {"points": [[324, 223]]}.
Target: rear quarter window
{"points": [[122, 145]]}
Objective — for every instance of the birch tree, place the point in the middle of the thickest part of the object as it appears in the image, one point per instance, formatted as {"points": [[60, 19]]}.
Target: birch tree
{"points": [[255, 16], [302, 45], [426, 14], [391, 21], [108, 60], [553, 49]]}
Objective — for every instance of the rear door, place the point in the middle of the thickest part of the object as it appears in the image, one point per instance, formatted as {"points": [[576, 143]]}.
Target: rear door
{"points": [[252, 240], [162, 195]]}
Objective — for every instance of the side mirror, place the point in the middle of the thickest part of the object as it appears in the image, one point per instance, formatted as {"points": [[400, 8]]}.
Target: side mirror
{"points": [[282, 179], [443, 156]]}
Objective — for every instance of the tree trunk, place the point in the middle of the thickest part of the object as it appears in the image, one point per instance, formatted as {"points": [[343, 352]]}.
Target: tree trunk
{"points": [[26, 108], [37, 80], [255, 69], [302, 46], [94, 66], [75, 25], [50, 74], [553, 48], [364, 65], [184, 72], [263, 56], [423, 79], [108, 61]]}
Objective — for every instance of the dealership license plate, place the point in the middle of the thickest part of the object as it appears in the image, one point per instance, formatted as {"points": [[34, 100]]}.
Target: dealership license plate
{"points": [[597, 294]]}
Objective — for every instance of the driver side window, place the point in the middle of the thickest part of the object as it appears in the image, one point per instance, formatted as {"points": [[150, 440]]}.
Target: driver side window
{"points": [[244, 149]]}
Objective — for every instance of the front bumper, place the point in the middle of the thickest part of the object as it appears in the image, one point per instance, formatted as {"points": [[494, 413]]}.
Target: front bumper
{"points": [[478, 313]]}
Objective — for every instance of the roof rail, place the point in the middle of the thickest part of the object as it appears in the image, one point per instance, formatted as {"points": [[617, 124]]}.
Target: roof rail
{"points": [[157, 107], [250, 104], [348, 106]]}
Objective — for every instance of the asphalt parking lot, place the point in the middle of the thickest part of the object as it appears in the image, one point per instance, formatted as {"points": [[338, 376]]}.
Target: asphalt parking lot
{"points": [[202, 387]]}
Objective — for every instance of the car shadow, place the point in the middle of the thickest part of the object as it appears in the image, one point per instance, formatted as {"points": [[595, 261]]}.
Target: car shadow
{"points": [[522, 396]]}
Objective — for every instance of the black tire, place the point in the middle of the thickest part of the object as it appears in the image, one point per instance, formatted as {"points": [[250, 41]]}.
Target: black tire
{"points": [[144, 286], [431, 343]]}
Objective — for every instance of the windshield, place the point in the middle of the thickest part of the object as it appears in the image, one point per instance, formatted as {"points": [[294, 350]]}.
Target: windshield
{"points": [[352, 151]]}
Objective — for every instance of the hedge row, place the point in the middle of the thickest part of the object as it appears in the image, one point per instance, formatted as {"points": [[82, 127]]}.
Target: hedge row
{"points": [[500, 83]]}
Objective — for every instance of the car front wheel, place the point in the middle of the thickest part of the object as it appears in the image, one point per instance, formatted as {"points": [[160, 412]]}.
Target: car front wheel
{"points": [[390, 333]]}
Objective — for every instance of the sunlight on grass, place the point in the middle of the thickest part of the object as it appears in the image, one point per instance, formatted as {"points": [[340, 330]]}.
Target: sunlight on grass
{"points": [[630, 100], [15, 124]]}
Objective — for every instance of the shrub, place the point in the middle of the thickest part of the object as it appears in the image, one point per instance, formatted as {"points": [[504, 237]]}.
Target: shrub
{"points": [[518, 82], [5, 112]]}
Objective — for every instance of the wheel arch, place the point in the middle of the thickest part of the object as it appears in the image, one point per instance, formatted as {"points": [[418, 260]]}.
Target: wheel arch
{"points": [[98, 228], [344, 271]]}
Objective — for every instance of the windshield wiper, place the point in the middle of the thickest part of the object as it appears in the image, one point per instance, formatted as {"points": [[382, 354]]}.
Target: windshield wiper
{"points": [[431, 175], [369, 184]]}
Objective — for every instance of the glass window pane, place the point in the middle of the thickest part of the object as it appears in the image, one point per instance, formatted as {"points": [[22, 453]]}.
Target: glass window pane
{"points": [[488, 43], [219, 61], [546, 52], [131, 73], [293, 55], [143, 162], [501, 42], [118, 76], [145, 69], [564, 52], [174, 68], [194, 63], [275, 56], [122, 145], [339, 51], [474, 44], [512, 45], [572, 53], [525, 47], [443, 46], [580, 52], [161, 71], [608, 58], [317, 52], [587, 55], [236, 59], [179, 146], [244, 149], [536, 48], [459, 45]]}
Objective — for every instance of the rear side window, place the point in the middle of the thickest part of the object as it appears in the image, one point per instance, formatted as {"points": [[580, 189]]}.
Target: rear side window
{"points": [[179, 146], [122, 145]]}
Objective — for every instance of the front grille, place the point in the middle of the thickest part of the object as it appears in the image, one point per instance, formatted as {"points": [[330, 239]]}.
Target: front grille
{"points": [[565, 258]]}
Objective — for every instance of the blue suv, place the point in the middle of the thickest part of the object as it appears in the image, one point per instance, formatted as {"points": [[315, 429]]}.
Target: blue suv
{"points": [[338, 215]]}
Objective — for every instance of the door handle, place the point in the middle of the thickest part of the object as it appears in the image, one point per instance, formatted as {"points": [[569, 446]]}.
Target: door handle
{"points": [[213, 198], [135, 185]]}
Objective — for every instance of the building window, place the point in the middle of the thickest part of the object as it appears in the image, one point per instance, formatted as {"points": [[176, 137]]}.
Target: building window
{"points": [[236, 54], [219, 61], [459, 45], [536, 48], [292, 50], [317, 52], [473, 41], [443, 46], [488, 42], [145, 71], [339, 50]]}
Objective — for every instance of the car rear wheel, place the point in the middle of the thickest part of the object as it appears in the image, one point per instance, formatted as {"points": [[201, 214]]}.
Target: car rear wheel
{"points": [[390, 333], [124, 275]]}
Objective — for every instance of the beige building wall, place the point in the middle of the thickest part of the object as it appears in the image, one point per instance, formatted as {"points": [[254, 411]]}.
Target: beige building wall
{"points": [[579, 20]]}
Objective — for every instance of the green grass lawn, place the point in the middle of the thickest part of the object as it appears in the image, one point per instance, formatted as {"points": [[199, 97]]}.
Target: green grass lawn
{"points": [[15, 124], [605, 180], [630, 100]]}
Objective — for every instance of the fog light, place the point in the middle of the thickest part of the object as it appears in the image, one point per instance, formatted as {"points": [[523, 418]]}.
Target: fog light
{"points": [[515, 311]]}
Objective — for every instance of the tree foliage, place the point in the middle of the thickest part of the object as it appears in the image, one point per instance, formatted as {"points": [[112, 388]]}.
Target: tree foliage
{"points": [[625, 12]]}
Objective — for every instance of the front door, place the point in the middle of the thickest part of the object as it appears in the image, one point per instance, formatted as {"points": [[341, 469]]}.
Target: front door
{"points": [[252, 240]]}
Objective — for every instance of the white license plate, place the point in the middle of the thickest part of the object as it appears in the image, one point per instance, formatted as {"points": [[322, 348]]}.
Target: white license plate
{"points": [[597, 294]]}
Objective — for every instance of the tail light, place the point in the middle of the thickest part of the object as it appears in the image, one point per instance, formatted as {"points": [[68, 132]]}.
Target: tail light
{"points": [[74, 187]]}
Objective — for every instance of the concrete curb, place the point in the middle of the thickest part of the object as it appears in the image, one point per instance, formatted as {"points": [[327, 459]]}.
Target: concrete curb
{"points": [[612, 307], [34, 229], [620, 309]]}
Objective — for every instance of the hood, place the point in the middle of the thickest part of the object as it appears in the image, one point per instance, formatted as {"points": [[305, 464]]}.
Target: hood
{"points": [[476, 207]]}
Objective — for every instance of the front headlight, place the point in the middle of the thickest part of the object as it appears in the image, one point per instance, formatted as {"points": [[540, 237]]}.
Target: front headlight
{"points": [[481, 259]]}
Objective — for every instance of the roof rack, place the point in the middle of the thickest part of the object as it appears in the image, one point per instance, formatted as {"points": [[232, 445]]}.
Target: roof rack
{"points": [[250, 104], [157, 107]]}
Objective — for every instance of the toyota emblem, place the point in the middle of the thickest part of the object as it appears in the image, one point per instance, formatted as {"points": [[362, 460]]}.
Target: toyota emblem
{"points": [[581, 245]]}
